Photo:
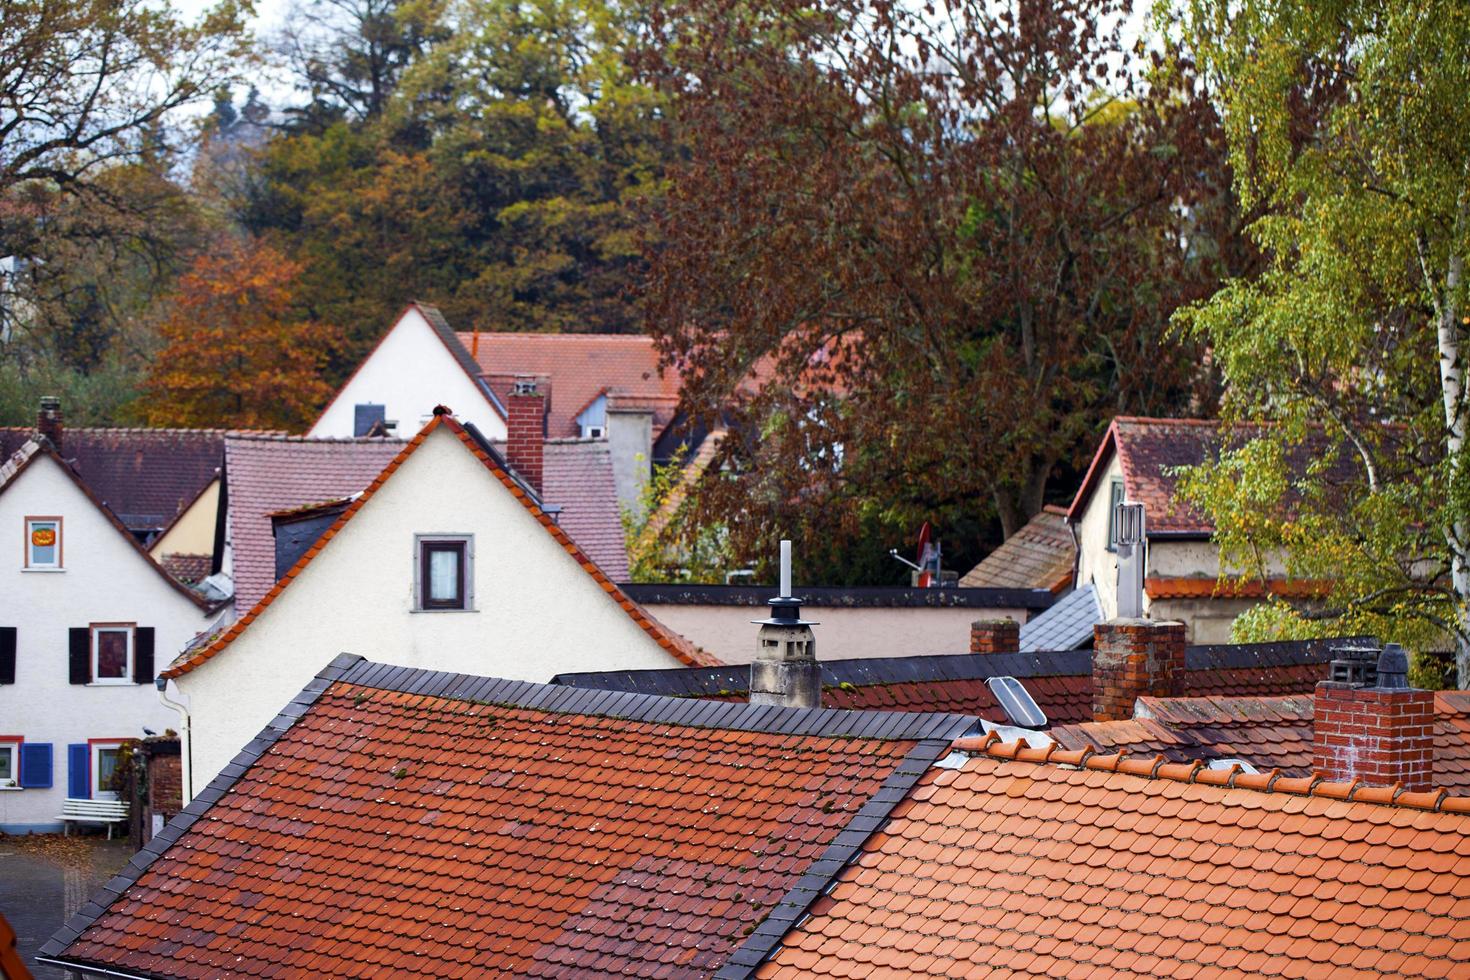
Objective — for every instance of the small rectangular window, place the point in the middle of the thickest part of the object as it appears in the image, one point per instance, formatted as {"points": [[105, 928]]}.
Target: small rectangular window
{"points": [[9, 763], [105, 755], [1115, 497], [443, 572], [112, 654], [43, 542]]}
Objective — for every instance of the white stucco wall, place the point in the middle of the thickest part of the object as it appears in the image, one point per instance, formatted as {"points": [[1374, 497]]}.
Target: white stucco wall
{"points": [[842, 633], [409, 373], [538, 612], [1096, 564], [193, 532], [105, 580]]}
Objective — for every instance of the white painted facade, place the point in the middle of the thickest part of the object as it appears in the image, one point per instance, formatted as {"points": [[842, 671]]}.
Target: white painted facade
{"points": [[103, 579], [537, 612], [410, 372]]}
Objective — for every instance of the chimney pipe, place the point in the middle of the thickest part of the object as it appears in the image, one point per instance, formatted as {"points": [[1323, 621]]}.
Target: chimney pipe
{"points": [[785, 670], [1001, 635], [1131, 658], [49, 421], [1383, 734], [526, 430]]}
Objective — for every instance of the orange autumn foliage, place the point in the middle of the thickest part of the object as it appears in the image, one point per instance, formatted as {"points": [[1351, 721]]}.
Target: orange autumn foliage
{"points": [[238, 350]]}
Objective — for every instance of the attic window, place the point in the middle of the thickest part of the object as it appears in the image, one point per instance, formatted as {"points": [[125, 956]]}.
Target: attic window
{"points": [[1115, 497], [443, 574], [43, 543], [593, 431]]}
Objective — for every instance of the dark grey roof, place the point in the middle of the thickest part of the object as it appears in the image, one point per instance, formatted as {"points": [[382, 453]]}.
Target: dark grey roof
{"points": [[1066, 625], [1284, 653], [828, 597]]}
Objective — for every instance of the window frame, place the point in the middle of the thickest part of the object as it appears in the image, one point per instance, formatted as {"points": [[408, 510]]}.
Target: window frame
{"points": [[10, 745], [423, 544], [32, 566], [95, 748], [594, 432], [1117, 494], [131, 630]]}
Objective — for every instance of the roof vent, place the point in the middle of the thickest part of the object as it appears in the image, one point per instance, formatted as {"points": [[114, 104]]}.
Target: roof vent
{"points": [[1020, 707], [1223, 764], [1393, 668], [1128, 534], [1355, 665]]}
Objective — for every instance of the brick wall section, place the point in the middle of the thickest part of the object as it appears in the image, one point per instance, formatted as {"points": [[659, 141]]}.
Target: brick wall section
{"points": [[1131, 658], [1379, 736], [165, 785], [995, 636], [526, 430]]}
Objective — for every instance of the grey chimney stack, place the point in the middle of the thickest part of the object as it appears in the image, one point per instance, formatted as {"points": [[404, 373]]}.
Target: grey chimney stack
{"points": [[48, 420], [785, 670]]}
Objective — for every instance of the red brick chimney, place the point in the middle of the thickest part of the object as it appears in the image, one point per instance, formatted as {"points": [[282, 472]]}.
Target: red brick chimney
{"points": [[526, 430], [48, 420], [1002, 635], [1382, 734], [1132, 658]]}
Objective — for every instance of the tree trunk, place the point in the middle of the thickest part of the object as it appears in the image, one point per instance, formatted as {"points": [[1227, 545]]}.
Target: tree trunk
{"points": [[1452, 389]]}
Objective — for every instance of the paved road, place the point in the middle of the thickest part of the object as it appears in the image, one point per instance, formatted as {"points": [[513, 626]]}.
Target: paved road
{"points": [[41, 886]]}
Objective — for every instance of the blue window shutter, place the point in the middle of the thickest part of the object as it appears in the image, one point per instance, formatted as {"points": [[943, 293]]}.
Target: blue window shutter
{"points": [[35, 765], [79, 771]]}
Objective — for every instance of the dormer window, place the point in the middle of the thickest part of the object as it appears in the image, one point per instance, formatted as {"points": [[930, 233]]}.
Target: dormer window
{"points": [[593, 431], [43, 543], [443, 573]]}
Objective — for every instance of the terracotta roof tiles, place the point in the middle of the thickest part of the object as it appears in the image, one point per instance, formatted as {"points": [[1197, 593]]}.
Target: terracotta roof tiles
{"points": [[579, 480], [1038, 556]]}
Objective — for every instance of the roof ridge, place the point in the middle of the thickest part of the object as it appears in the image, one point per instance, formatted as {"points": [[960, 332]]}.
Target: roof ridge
{"points": [[552, 333], [248, 435], [1196, 771]]}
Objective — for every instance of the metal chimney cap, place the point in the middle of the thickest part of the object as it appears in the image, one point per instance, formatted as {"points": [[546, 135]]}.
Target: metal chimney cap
{"points": [[1393, 668]]}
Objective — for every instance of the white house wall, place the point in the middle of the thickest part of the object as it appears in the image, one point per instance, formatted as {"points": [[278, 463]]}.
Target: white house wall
{"points": [[409, 373], [1096, 564], [105, 580], [538, 612]]}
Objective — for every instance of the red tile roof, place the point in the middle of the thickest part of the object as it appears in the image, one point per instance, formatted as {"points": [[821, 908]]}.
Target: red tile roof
{"points": [[1150, 449], [147, 477], [1038, 556], [417, 823], [269, 474], [677, 646], [189, 569], [1015, 866], [581, 367], [579, 480], [1267, 732]]}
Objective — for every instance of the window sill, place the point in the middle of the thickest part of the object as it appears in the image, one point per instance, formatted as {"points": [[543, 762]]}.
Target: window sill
{"points": [[43, 570], [117, 683], [12, 789], [437, 612]]}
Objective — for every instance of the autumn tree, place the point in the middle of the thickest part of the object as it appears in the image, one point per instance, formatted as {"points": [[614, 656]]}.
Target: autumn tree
{"points": [[1350, 133], [930, 255], [238, 349]]}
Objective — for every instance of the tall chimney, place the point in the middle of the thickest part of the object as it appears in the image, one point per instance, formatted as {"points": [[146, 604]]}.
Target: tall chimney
{"points": [[785, 670], [526, 430], [1131, 658], [1002, 635], [48, 420], [1382, 734]]}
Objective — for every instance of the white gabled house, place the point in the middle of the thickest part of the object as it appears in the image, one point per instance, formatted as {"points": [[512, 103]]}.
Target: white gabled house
{"points": [[446, 561], [85, 614]]}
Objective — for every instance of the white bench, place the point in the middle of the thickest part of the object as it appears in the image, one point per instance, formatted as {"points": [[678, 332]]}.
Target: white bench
{"points": [[92, 811]]}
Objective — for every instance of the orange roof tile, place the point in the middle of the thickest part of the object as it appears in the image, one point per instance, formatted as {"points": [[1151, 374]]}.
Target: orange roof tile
{"points": [[677, 646], [1016, 864], [1040, 555], [423, 824]]}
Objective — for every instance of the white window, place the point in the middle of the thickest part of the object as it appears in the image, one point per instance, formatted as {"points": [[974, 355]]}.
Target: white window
{"points": [[444, 572], [9, 765], [104, 766], [112, 654], [43, 543], [593, 431], [1115, 497]]}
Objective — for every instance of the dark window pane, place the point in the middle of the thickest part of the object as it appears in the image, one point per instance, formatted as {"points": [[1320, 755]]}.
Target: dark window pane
{"points": [[112, 653], [442, 575]]}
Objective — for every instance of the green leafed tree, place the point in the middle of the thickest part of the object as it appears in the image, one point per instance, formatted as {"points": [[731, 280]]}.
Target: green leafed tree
{"points": [[1349, 131]]}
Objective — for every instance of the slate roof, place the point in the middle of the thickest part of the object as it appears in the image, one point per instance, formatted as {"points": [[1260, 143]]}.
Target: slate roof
{"points": [[1059, 682], [1044, 863], [1067, 625], [146, 477], [1267, 732], [675, 645], [424, 824], [1039, 555], [581, 367], [269, 474]]}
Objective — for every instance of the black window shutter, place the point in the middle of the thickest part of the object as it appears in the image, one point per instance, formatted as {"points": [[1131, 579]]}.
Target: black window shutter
{"points": [[7, 654], [80, 640], [143, 655]]}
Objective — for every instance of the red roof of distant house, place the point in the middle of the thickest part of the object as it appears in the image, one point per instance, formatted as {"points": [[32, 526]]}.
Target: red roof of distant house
{"points": [[147, 477], [581, 367], [417, 823], [1267, 732], [1039, 555], [676, 645], [268, 474], [1047, 863], [579, 480]]}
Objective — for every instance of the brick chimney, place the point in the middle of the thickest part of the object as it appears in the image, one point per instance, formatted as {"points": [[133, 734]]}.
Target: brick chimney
{"points": [[49, 422], [1002, 635], [526, 430], [1382, 734], [1132, 658]]}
